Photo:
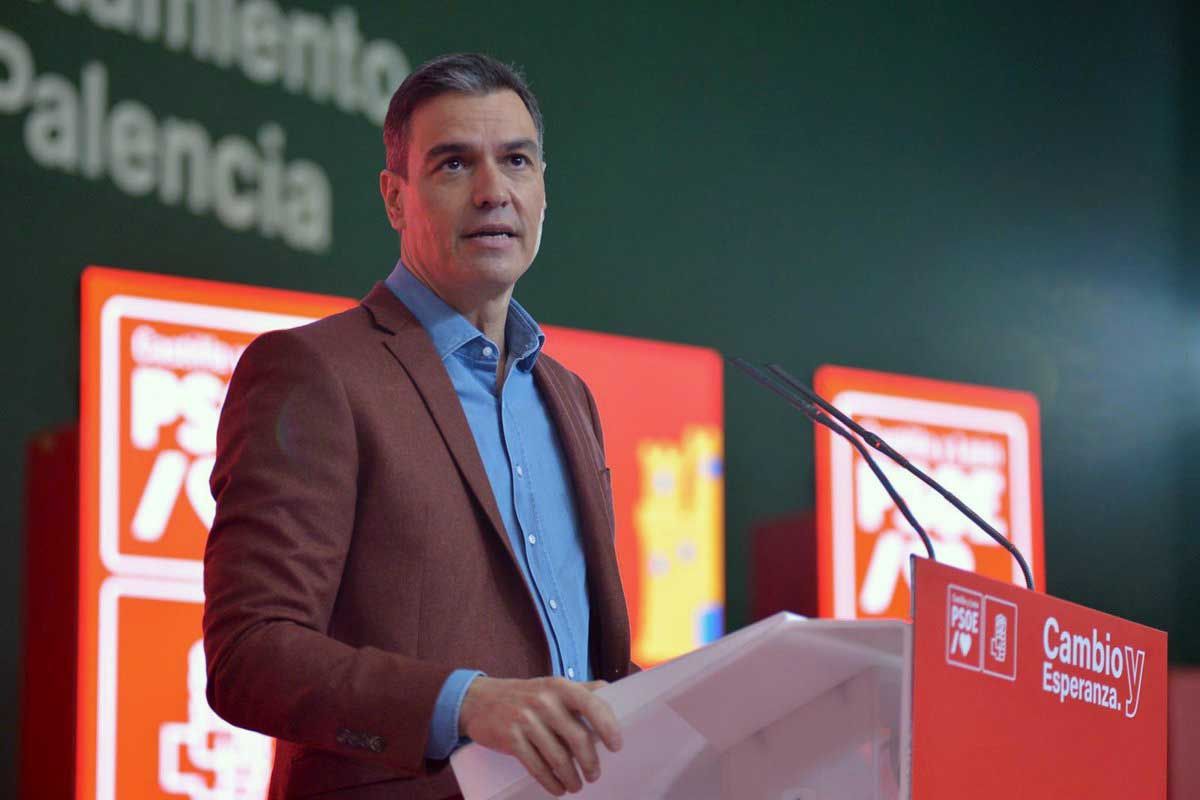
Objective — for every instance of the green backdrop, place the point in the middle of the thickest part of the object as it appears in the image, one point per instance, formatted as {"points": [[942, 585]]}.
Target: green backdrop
{"points": [[1005, 196]]}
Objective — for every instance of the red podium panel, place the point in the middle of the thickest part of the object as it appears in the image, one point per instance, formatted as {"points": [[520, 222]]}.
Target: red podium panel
{"points": [[1019, 694]]}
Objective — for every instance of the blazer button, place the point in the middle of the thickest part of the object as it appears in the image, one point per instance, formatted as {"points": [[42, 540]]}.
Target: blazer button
{"points": [[376, 744]]}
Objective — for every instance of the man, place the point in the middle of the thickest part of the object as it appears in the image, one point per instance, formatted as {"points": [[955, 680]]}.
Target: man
{"points": [[413, 539]]}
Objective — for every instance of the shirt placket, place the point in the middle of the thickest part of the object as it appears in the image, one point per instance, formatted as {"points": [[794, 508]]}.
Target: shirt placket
{"points": [[536, 542]]}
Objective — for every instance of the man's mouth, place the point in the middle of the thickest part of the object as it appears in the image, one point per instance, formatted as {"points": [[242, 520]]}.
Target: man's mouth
{"points": [[492, 232]]}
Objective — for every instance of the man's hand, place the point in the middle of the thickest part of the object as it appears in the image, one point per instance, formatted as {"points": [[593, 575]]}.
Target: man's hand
{"points": [[549, 724]]}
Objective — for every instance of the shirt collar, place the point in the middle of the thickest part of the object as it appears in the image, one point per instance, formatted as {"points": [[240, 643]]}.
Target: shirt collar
{"points": [[450, 330]]}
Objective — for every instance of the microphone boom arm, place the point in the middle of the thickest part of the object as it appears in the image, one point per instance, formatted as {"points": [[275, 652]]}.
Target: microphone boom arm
{"points": [[879, 444], [815, 414]]}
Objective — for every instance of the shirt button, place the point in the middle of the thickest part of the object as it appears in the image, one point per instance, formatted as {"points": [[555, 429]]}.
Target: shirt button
{"points": [[520, 472], [553, 605], [570, 672], [487, 352], [532, 539]]}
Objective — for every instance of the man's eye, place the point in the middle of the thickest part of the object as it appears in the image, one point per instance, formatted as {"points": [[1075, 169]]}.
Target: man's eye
{"points": [[518, 160], [453, 164]]}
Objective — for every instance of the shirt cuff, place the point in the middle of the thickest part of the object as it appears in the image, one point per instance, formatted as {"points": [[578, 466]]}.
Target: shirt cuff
{"points": [[444, 737]]}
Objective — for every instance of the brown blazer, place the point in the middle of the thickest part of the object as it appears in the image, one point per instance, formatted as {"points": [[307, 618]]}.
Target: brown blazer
{"points": [[358, 556]]}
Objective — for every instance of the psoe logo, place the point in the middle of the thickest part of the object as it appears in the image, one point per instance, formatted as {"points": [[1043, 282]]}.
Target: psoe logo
{"points": [[981, 633]]}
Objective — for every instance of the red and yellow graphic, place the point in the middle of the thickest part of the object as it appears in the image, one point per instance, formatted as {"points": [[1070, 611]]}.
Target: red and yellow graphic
{"points": [[157, 354], [982, 444], [678, 521], [661, 408]]}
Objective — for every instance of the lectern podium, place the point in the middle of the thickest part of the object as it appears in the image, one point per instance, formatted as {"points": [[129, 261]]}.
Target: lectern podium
{"points": [[993, 691]]}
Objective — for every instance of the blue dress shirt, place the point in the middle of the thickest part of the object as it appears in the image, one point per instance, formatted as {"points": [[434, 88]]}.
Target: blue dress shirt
{"points": [[519, 447]]}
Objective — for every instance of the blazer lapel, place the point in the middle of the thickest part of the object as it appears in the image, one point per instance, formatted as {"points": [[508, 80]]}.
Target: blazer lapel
{"points": [[586, 463], [411, 346]]}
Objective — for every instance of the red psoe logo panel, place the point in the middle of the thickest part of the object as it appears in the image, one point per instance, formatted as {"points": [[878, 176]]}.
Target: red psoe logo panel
{"points": [[156, 356], [981, 443]]}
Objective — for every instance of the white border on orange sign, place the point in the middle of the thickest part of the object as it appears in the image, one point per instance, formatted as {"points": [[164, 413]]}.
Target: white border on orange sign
{"points": [[115, 309], [987, 420]]}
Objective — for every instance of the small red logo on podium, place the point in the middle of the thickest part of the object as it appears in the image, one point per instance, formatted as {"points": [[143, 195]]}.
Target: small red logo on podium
{"points": [[964, 628], [1000, 633], [981, 633]]}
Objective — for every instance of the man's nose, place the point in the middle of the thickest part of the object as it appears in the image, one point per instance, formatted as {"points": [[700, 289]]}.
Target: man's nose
{"points": [[490, 188]]}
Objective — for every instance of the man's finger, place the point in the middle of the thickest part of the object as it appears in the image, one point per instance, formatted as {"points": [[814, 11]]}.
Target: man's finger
{"points": [[597, 713], [529, 757], [592, 686], [541, 730], [577, 736]]}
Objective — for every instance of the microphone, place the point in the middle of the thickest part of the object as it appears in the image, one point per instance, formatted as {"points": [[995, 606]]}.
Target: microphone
{"points": [[821, 418], [879, 444]]}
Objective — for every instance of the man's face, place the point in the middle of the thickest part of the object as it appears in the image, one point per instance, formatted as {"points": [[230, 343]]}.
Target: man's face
{"points": [[470, 213]]}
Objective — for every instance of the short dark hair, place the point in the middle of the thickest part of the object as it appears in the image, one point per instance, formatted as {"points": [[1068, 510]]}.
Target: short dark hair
{"points": [[465, 73]]}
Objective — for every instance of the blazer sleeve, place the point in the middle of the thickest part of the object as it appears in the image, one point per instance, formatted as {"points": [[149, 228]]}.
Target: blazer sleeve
{"points": [[285, 482]]}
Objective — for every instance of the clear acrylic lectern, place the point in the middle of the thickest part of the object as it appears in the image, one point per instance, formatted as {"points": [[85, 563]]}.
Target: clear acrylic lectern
{"points": [[786, 709]]}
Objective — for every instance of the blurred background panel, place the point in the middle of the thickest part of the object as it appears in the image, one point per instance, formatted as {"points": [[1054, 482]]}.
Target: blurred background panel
{"points": [[1004, 195]]}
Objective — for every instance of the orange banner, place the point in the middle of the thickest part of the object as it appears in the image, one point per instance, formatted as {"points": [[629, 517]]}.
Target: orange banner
{"points": [[156, 356], [981, 443]]}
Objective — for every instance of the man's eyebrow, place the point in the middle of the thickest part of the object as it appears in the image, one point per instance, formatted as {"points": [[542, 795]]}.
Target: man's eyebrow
{"points": [[459, 148], [446, 148], [519, 144]]}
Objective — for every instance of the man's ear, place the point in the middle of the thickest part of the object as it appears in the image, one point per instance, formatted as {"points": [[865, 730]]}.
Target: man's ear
{"points": [[390, 189]]}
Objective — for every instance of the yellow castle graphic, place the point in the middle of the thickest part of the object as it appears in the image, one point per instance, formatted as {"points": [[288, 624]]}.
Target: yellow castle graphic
{"points": [[679, 522]]}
